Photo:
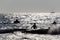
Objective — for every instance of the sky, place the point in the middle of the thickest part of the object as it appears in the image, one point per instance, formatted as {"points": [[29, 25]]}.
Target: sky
{"points": [[29, 6]]}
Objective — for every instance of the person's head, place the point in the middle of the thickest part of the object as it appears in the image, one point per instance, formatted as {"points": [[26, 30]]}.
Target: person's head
{"points": [[34, 23]]}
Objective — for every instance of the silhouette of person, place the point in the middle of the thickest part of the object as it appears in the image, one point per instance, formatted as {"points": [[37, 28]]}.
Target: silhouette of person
{"points": [[34, 26], [54, 23], [16, 21]]}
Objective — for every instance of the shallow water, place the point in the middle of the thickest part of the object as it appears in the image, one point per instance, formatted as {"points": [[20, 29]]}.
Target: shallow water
{"points": [[24, 36]]}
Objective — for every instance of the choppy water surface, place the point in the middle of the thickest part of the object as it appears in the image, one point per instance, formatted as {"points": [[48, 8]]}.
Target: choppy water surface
{"points": [[26, 22], [26, 36], [23, 36]]}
